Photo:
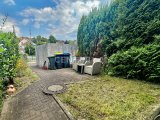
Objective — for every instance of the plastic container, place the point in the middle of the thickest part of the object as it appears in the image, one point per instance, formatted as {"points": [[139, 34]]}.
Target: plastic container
{"points": [[52, 65]]}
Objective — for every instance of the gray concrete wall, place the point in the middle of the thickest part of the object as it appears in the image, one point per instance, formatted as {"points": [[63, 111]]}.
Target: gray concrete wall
{"points": [[41, 54], [64, 48], [46, 50]]}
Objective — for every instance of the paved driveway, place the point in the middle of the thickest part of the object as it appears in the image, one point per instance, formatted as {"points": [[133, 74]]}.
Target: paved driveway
{"points": [[33, 104]]}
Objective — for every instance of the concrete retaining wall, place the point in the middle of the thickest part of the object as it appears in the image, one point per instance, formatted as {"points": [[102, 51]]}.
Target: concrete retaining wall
{"points": [[46, 50]]}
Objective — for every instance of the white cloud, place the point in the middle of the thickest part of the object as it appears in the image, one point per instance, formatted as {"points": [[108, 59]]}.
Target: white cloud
{"points": [[37, 25], [25, 21], [8, 26], [63, 20], [9, 2]]}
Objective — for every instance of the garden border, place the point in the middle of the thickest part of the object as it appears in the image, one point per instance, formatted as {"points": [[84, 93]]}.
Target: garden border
{"points": [[156, 112], [68, 114]]}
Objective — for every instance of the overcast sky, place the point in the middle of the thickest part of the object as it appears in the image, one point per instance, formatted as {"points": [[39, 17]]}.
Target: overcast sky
{"points": [[45, 17]]}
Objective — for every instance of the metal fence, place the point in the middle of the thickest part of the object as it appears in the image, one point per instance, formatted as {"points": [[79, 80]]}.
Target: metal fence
{"points": [[31, 58]]}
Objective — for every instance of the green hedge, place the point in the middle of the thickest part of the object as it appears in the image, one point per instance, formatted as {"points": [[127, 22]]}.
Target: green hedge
{"points": [[9, 55], [141, 63], [2, 93]]}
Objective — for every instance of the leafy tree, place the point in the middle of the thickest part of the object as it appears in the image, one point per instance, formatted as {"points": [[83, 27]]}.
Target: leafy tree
{"points": [[66, 42], [39, 40], [52, 39], [30, 49], [9, 55], [72, 42]]}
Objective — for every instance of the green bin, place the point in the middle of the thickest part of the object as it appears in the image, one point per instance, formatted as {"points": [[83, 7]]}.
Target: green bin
{"points": [[63, 60], [52, 63], [58, 63]]}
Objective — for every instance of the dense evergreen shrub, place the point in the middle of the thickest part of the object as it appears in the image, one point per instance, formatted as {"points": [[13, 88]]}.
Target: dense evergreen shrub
{"points": [[141, 63], [136, 21], [128, 32]]}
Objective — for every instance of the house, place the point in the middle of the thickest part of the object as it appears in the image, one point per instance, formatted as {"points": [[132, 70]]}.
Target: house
{"points": [[24, 41]]}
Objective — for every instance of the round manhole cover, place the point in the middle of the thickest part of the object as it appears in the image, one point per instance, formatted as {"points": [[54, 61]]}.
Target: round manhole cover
{"points": [[55, 88], [157, 117]]}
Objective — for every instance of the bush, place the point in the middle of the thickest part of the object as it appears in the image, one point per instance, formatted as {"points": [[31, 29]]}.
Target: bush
{"points": [[2, 93], [30, 50], [9, 55], [77, 53], [21, 67], [139, 63]]}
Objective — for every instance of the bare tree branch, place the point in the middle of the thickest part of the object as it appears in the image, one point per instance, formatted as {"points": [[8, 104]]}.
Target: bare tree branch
{"points": [[4, 19]]}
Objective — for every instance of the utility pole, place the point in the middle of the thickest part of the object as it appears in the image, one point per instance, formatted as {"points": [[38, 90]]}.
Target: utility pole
{"points": [[29, 39], [14, 31], [30, 33]]}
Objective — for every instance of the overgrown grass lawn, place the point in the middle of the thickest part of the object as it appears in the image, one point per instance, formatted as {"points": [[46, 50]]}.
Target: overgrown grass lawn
{"points": [[110, 98], [27, 79]]}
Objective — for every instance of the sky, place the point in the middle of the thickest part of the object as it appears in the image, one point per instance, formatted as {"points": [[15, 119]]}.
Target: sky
{"points": [[46, 17]]}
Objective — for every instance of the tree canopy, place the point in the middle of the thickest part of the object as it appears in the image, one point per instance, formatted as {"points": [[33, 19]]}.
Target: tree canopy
{"points": [[52, 39], [133, 22], [128, 32], [30, 49], [39, 40]]}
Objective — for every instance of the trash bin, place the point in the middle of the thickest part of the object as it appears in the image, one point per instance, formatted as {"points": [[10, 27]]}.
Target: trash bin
{"points": [[58, 63], [62, 60], [66, 61], [52, 63]]}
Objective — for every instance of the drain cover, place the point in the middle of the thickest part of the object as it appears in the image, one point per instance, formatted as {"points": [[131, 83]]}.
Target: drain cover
{"points": [[157, 117], [55, 88], [52, 89]]}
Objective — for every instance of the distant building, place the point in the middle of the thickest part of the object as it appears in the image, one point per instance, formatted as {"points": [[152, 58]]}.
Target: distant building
{"points": [[60, 42], [22, 44], [24, 41]]}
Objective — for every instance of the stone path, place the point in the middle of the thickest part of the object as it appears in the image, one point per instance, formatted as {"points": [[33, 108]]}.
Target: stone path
{"points": [[33, 104]]}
